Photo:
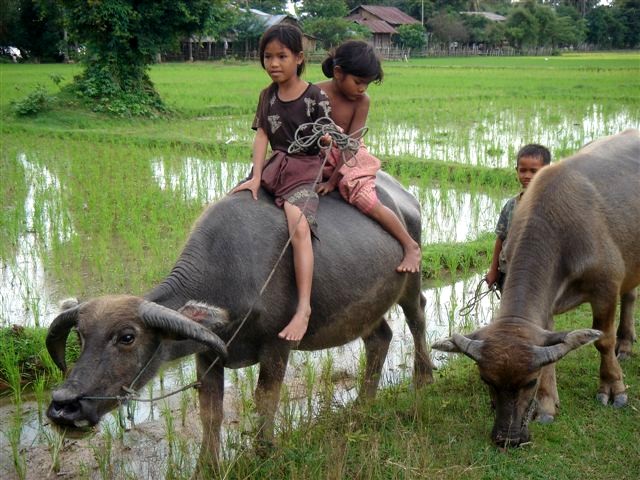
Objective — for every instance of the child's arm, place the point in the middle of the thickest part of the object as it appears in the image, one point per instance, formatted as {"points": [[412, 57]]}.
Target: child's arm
{"points": [[492, 275], [359, 119], [259, 153]]}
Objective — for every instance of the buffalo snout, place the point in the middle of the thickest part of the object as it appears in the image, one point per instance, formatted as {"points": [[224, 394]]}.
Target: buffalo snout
{"points": [[72, 413]]}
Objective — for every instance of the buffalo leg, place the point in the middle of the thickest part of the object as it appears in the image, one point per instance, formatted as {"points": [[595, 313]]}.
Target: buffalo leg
{"points": [[376, 346], [210, 395], [413, 308], [611, 383], [547, 397], [626, 334], [273, 365]]}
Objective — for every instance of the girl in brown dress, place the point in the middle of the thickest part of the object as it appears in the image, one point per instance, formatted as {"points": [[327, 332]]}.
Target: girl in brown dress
{"points": [[283, 106]]}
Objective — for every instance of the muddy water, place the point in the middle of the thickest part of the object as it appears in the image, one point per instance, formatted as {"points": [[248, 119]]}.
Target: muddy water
{"points": [[492, 143], [147, 424], [495, 145], [27, 296]]}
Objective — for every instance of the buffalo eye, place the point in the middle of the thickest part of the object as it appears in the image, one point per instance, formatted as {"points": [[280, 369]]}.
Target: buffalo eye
{"points": [[126, 339], [531, 384]]}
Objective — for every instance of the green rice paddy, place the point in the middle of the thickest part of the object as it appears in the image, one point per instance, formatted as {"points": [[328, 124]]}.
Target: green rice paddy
{"points": [[94, 205]]}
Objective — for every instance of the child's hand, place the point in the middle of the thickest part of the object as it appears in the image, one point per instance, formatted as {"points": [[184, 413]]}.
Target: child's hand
{"points": [[491, 277], [253, 184], [325, 188], [325, 140]]}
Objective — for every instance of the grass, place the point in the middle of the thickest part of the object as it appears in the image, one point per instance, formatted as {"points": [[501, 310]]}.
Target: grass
{"points": [[443, 432], [103, 205]]}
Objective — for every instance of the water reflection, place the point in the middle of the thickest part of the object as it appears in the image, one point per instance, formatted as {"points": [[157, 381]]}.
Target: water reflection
{"points": [[25, 297], [443, 306], [198, 179], [449, 215], [492, 142], [495, 144]]}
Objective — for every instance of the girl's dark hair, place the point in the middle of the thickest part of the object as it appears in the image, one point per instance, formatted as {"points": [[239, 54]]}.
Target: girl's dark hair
{"points": [[354, 57], [288, 35]]}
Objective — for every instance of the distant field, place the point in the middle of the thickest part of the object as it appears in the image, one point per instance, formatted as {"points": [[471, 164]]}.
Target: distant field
{"points": [[471, 110]]}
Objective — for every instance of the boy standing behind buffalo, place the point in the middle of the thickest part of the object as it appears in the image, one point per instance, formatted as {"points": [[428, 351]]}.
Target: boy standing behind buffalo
{"points": [[530, 159]]}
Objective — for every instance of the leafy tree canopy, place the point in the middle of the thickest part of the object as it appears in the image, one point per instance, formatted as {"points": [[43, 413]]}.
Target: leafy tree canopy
{"points": [[122, 38]]}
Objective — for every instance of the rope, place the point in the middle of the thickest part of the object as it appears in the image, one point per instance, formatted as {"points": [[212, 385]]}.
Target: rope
{"points": [[477, 297], [319, 129]]}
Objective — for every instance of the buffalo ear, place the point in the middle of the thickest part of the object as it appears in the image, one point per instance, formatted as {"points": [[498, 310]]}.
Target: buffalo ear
{"points": [[210, 317], [175, 324], [558, 344]]}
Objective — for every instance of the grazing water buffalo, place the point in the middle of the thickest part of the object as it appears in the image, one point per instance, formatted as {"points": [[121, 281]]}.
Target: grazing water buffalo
{"points": [[225, 262], [575, 238]]}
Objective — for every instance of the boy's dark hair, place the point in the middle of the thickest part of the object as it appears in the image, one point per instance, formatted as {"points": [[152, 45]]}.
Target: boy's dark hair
{"points": [[534, 150], [356, 58], [288, 35]]}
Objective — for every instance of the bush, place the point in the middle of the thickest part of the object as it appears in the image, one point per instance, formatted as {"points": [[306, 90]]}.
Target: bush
{"points": [[37, 101]]}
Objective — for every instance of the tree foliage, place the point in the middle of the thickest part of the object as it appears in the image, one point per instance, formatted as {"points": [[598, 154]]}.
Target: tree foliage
{"points": [[122, 38], [411, 36]]}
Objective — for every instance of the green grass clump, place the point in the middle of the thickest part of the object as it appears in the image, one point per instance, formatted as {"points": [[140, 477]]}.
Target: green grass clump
{"points": [[453, 258], [24, 358]]}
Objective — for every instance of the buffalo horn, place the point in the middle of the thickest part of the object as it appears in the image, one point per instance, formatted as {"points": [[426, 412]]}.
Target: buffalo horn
{"points": [[57, 335], [471, 348], [168, 320], [550, 354]]}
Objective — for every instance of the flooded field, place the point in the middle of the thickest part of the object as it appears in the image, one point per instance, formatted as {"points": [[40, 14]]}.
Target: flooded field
{"points": [[95, 205]]}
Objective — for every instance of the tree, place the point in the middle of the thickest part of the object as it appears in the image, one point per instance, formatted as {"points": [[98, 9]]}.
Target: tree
{"points": [[249, 29], [412, 36], [333, 31], [604, 28], [448, 28], [324, 9], [522, 28], [628, 13], [273, 7], [324, 19], [122, 38], [34, 26]]}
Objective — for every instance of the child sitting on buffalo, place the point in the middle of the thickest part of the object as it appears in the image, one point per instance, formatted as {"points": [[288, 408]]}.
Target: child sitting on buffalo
{"points": [[530, 159]]}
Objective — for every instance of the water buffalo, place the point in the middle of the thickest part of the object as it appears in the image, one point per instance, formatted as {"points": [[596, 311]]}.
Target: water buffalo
{"points": [[574, 239], [226, 260]]}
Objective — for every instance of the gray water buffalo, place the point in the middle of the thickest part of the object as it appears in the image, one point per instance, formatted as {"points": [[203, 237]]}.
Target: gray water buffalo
{"points": [[575, 238], [225, 262]]}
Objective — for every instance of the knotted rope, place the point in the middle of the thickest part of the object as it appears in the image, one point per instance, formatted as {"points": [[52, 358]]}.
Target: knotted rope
{"points": [[325, 128]]}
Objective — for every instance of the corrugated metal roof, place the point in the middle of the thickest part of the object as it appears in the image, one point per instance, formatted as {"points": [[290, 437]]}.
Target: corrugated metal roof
{"points": [[376, 26], [391, 15]]}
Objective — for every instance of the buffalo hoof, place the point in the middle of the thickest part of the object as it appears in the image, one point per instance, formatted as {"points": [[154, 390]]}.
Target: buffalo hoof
{"points": [[620, 400], [603, 398], [545, 418], [623, 356]]}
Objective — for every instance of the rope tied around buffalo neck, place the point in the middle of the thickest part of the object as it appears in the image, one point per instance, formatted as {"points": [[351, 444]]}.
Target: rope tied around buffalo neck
{"points": [[321, 129]]}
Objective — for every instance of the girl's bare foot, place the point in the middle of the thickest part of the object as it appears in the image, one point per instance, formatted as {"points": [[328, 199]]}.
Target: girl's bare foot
{"points": [[411, 261], [297, 327]]}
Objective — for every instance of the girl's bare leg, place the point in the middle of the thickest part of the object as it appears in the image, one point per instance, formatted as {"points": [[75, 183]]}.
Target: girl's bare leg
{"points": [[391, 223], [303, 265]]}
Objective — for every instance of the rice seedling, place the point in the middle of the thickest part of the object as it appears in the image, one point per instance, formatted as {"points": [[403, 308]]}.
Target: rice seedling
{"points": [[13, 434], [102, 452]]}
